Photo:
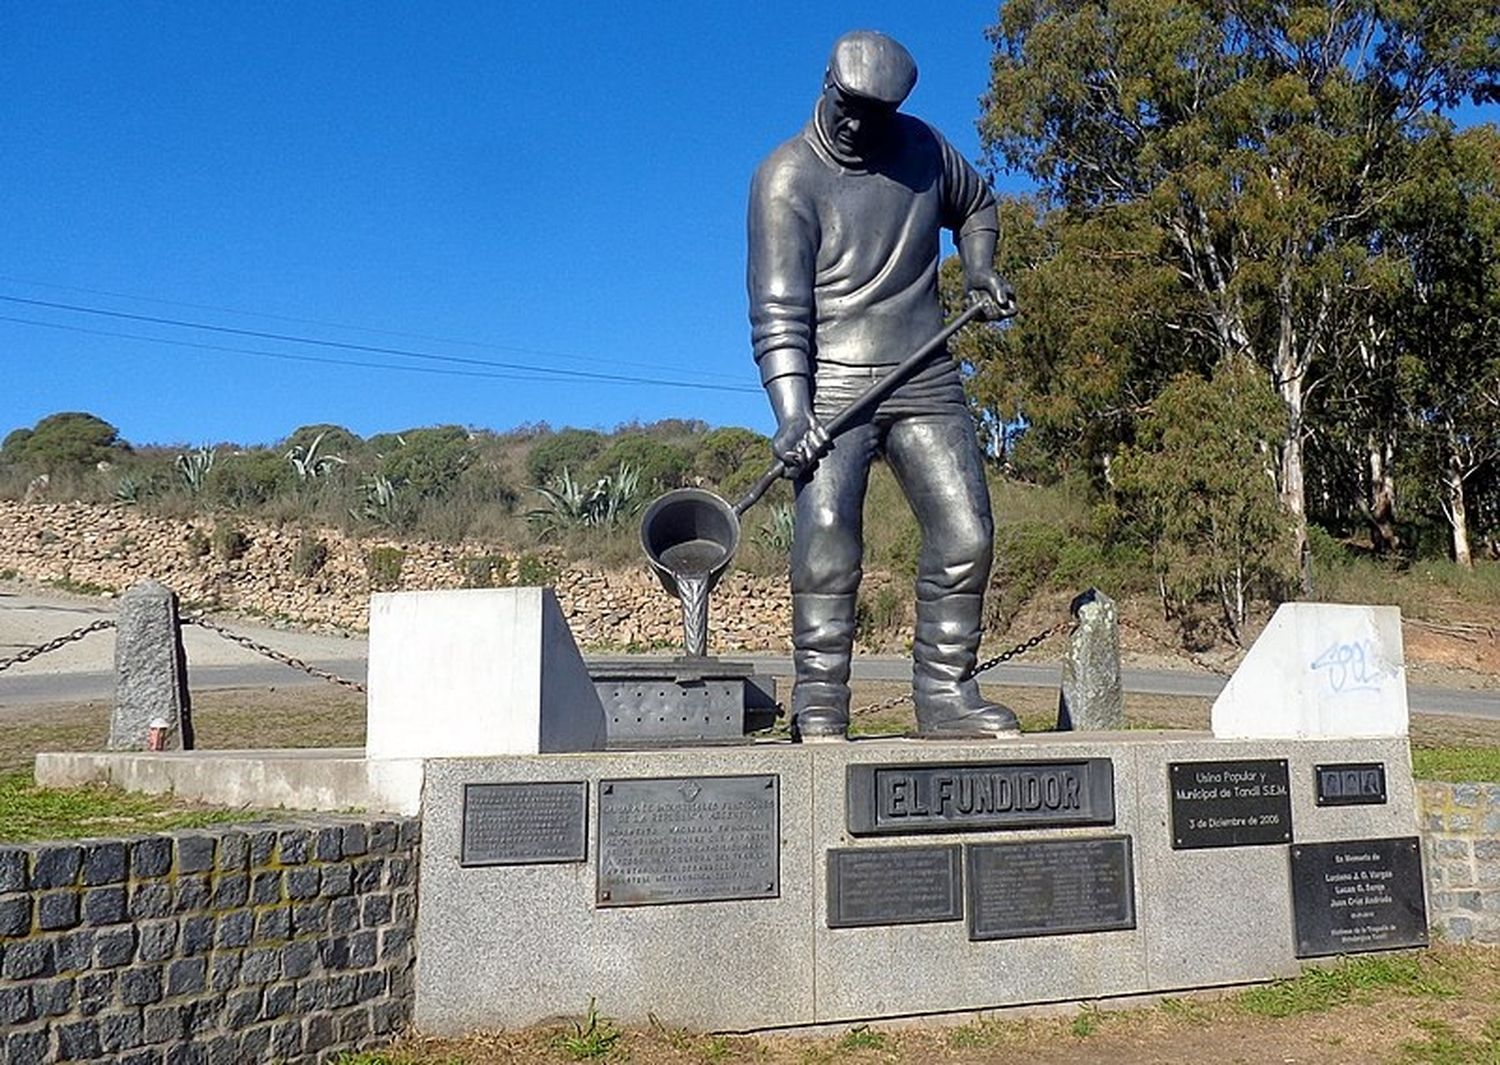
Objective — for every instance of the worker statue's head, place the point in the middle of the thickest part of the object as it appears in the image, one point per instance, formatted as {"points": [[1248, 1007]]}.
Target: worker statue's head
{"points": [[868, 76]]}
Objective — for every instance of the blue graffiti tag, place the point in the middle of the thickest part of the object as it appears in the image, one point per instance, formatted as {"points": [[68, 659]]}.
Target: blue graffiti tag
{"points": [[1352, 667]]}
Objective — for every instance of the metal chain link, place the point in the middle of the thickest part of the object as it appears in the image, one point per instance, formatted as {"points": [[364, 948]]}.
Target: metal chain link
{"points": [[52, 645], [989, 663], [271, 653], [1180, 652]]}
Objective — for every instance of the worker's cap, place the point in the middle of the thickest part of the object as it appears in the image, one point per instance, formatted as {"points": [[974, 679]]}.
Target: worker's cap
{"points": [[873, 66]]}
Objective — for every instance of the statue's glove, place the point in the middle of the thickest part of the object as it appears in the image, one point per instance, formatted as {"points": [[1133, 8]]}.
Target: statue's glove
{"points": [[996, 293], [799, 441]]}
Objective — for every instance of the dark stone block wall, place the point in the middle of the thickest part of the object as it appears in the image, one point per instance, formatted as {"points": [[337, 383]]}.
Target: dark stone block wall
{"points": [[290, 941], [1461, 852]]}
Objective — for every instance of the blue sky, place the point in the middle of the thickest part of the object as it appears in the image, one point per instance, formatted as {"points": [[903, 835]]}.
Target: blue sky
{"points": [[538, 185], [562, 183]]}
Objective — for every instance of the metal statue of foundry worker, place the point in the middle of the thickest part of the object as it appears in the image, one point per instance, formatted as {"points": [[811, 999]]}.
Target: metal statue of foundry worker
{"points": [[844, 224]]}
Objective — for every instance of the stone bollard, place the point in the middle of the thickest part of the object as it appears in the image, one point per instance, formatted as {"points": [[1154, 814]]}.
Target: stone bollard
{"points": [[150, 674], [1092, 697]]}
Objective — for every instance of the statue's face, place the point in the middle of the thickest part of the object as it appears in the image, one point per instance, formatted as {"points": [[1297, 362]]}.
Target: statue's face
{"points": [[853, 125]]}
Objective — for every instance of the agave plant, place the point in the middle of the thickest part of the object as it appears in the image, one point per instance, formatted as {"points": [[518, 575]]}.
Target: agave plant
{"points": [[193, 468], [128, 491], [573, 504], [309, 464], [776, 530], [379, 501]]}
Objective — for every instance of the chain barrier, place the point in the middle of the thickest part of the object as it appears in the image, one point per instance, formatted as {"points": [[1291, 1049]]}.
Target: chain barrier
{"points": [[989, 663], [1179, 652], [61, 641], [272, 653]]}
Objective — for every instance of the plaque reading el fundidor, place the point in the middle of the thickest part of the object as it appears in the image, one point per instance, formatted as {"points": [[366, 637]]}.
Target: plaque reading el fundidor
{"points": [[1049, 887], [1357, 895], [894, 885], [1230, 804], [524, 824], [688, 839], [922, 797]]}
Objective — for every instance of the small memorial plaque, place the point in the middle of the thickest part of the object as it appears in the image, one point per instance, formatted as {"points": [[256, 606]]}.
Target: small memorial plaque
{"points": [[525, 824], [922, 797], [1230, 804], [894, 885], [1350, 784], [689, 839], [1358, 895], [1049, 887]]}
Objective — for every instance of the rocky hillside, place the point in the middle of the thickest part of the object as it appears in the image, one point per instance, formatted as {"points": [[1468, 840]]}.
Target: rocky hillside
{"points": [[282, 573]]}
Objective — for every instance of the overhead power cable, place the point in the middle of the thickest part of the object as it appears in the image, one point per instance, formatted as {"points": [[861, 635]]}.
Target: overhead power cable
{"points": [[283, 355], [480, 344], [553, 373]]}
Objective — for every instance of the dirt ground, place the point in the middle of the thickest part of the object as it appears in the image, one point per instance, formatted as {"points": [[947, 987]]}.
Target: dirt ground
{"points": [[1438, 1006]]}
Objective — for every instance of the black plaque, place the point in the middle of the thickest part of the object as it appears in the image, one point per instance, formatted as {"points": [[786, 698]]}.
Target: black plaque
{"points": [[1350, 784], [894, 885], [1049, 887], [922, 797], [1230, 804], [688, 839], [1358, 895], [525, 824]]}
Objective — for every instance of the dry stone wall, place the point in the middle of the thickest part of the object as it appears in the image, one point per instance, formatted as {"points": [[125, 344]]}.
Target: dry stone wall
{"points": [[110, 548], [290, 942], [1461, 844]]}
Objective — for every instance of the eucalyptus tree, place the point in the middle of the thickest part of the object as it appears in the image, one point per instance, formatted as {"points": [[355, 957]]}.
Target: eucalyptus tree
{"points": [[1257, 140]]}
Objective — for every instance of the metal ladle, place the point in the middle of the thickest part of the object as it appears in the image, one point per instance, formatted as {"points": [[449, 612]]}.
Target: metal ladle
{"points": [[691, 534]]}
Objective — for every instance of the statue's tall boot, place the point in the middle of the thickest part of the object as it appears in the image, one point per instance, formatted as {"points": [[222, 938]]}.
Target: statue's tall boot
{"points": [[822, 643], [948, 699]]}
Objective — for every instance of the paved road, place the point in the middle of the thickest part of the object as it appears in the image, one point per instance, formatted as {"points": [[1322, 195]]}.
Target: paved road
{"points": [[81, 672], [83, 686]]}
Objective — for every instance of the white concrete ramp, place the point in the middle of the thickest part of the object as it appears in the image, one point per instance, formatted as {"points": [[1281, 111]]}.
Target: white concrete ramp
{"points": [[1319, 670]]}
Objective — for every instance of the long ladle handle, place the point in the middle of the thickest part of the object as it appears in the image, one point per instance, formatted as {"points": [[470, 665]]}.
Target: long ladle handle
{"points": [[877, 391]]}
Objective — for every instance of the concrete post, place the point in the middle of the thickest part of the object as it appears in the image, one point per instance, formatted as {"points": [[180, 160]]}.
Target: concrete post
{"points": [[150, 673], [1092, 697]]}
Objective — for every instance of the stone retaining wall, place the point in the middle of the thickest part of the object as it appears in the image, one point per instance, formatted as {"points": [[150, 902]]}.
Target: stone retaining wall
{"points": [[1461, 852], [113, 547], [288, 941]]}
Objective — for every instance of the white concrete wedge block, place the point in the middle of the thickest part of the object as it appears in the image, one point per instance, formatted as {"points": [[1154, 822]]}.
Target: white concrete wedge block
{"points": [[476, 672], [1319, 670]]}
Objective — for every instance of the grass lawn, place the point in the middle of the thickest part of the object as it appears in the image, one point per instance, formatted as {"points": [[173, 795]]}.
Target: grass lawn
{"points": [[327, 716], [1439, 1006]]}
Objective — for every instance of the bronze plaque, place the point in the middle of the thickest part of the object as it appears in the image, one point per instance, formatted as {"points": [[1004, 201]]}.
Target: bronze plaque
{"points": [[688, 839], [1050, 887], [968, 796], [524, 824], [894, 885]]}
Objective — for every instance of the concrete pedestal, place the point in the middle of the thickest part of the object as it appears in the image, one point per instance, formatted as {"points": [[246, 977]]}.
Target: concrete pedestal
{"points": [[510, 945]]}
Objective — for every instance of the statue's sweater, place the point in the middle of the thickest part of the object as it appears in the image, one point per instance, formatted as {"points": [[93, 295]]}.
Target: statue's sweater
{"points": [[843, 262]]}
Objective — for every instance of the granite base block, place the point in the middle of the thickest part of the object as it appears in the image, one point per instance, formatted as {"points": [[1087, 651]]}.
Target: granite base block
{"points": [[512, 945]]}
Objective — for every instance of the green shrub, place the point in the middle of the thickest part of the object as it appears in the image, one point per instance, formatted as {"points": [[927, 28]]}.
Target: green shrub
{"points": [[230, 542], [880, 613], [659, 465], [248, 479], [425, 463], [197, 544], [487, 571], [310, 556], [71, 439], [571, 448], [383, 567], [535, 571]]}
